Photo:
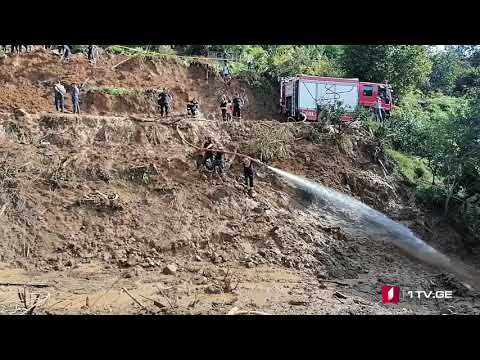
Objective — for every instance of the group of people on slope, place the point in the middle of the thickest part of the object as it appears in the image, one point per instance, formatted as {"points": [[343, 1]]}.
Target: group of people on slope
{"points": [[214, 159], [60, 94], [231, 108], [64, 50]]}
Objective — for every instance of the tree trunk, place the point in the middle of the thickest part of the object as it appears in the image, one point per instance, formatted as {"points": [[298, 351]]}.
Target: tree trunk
{"points": [[449, 196], [447, 200]]}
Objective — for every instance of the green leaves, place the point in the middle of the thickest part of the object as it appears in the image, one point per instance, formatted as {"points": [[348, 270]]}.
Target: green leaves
{"points": [[445, 131], [405, 66]]}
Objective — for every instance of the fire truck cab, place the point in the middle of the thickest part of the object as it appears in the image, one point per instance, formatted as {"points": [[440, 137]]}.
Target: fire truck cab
{"points": [[368, 92], [305, 94]]}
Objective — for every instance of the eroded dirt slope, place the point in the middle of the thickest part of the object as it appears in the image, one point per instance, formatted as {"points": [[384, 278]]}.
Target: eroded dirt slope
{"points": [[27, 82], [92, 206]]}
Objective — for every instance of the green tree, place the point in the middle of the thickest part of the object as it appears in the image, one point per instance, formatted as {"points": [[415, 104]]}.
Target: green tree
{"points": [[447, 68], [404, 66]]}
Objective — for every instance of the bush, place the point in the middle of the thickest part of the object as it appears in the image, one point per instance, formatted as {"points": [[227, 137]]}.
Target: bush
{"points": [[430, 196], [271, 144], [154, 52], [412, 168], [419, 172]]}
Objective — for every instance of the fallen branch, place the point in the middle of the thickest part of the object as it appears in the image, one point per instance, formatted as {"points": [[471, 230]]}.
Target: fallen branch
{"points": [[25, 284], [4, 207], [383, 168], [139, 119], [106, 292], [199, 149], [334, 282], [123, 61], [134, 299], [36, 304]]}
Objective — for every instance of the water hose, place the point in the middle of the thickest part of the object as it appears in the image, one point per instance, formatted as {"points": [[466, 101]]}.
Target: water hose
{"points": [[200, 149]]}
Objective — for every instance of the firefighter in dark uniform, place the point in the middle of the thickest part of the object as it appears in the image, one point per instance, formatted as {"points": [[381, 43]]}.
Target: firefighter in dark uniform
{"points": [[208, 154], [92, 53], [164, 102], [237, 106], [248, 173], [193, 107], [66, 52], [219, 163]]}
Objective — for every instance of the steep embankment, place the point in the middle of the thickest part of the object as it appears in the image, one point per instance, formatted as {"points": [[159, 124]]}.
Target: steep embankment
{"points": [[104, 213], [93, 205], [27, 81]]}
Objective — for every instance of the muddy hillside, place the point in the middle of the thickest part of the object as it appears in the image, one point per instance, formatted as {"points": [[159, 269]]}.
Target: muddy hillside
{"points": [[118, 84], [107, 212]]}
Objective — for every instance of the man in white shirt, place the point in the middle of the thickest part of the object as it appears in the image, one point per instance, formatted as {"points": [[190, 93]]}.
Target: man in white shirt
{"points": [[60, 96], [379, 108]]}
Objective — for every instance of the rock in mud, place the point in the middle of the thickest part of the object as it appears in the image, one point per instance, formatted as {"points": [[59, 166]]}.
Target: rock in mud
{"points": [[298, 302], [19, 112], [69, 263], [170, 269], [339, 295], [213, 289], [200, 280], [132, 260]]}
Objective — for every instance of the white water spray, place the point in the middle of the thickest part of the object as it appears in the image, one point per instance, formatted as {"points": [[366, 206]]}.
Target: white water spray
{"points": [[363, 219]]}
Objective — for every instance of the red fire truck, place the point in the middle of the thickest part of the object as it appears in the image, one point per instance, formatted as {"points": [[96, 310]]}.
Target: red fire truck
{"points": [[305, 94]]}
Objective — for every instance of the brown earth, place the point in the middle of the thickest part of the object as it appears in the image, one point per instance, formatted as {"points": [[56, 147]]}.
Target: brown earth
{"points": [[91, 206], [26, 81]]}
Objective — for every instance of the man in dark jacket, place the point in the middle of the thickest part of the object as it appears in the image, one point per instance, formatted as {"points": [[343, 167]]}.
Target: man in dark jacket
{"points": [[164, 100], [193, 107], [237, 106], [92, 53], [248, 173], [66, 52], [208, 155], [219, 163]]}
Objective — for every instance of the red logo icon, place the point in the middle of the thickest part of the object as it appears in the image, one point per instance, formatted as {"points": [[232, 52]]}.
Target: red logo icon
{"points": [[390, 294]]}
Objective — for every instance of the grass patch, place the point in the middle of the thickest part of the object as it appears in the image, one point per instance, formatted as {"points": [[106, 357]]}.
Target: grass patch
{"points": [[115, 91], [413, 168], [160, 51]]}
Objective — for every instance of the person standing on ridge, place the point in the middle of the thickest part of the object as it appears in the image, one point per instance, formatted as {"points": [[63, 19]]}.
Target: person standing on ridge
{"points": [[226, 74], [237, 106], [60, 92], [224, 106], [66, 52], [164, 99], [92, 52], [76, 99], [379, 109]]}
